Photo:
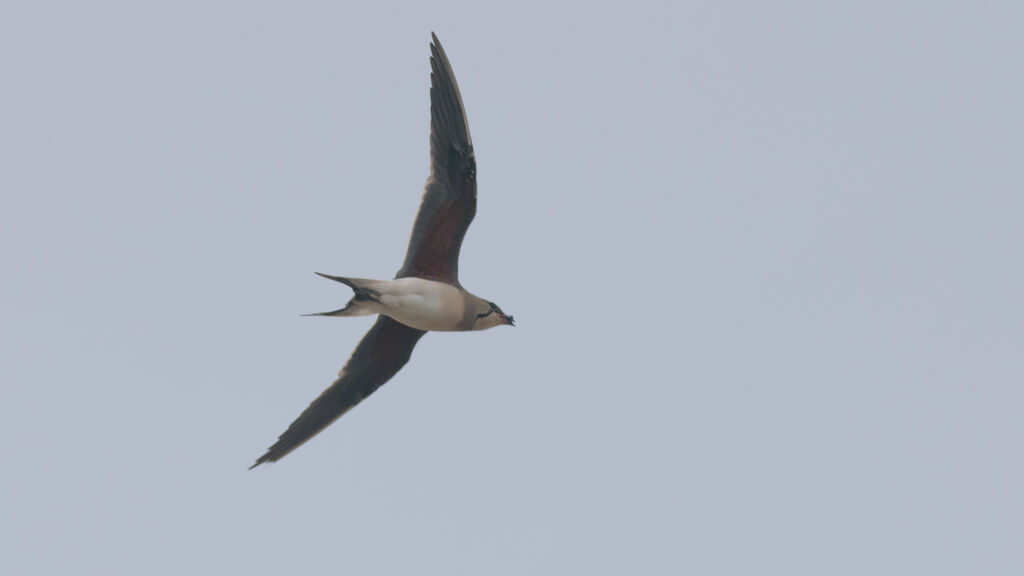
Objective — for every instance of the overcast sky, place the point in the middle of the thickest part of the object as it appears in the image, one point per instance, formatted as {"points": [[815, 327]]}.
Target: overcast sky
{"points": [[765, 261]]}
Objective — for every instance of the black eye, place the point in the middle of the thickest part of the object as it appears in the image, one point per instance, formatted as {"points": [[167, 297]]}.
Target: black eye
{"points": [[493, 305]]}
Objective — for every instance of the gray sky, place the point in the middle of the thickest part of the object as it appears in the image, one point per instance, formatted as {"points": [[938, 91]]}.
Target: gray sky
{"points": [[765, 261]]}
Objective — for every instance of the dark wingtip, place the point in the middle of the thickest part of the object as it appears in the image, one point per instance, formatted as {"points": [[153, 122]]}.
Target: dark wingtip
{"points": [[269, 456]]}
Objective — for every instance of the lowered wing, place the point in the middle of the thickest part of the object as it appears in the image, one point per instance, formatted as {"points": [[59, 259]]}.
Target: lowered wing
{"points": [[378, 357]]}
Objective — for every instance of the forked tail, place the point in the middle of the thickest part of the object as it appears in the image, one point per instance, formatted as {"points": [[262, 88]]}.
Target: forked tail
{"points": [[359, 304]]}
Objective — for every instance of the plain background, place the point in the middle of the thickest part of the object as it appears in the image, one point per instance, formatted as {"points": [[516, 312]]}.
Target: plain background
{"points": [[765, 260]]}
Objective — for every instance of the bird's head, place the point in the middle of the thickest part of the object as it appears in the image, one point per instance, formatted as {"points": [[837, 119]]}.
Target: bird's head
{"points": [[489, 315]]}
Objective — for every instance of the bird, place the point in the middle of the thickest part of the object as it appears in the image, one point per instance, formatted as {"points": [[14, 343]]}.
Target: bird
{"points": [[425, 294]]}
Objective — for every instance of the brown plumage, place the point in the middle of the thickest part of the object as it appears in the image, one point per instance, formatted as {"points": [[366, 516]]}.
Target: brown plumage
{"points": [[447, 209]]}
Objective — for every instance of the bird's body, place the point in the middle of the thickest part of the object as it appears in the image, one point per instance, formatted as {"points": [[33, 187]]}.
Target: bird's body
{"points": [[426, 294], [419, 303]]}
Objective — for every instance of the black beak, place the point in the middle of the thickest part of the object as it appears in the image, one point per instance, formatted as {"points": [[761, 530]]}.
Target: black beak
{"points": [[511, 321]]}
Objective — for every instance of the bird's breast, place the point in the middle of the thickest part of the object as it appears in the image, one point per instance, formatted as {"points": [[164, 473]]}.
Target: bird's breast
{"points": [[422, 304]]}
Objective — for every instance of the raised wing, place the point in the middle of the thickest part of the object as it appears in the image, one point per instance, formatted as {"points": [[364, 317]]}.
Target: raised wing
{"points": [[378, 357], [449, 200]]}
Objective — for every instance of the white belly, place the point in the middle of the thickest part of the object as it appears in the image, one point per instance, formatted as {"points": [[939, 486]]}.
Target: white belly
{"points": [[421, 304]]}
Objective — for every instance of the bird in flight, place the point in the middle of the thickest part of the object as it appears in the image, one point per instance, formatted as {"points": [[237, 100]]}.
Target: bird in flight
{"points": [[425, 294]]}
